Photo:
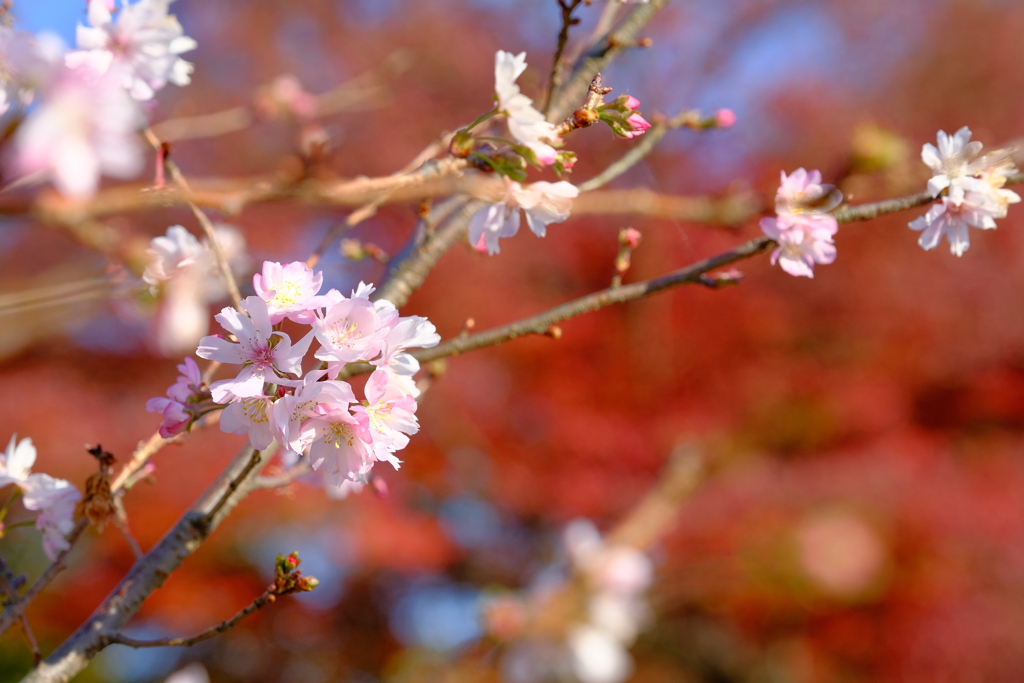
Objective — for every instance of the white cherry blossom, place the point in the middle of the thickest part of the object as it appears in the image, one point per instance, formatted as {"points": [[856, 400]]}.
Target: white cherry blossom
{"points": [[142, 46], [527, 125], [543, 202]]}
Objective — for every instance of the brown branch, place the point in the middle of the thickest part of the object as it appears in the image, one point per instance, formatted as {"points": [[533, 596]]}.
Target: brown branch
{"points": [[408, 274], [268, 597], [639, 150], [7, 587], [597, 58], [363, 92], [277, 481], [149, 573], [568, 21], [202, 218], [691, 274]]}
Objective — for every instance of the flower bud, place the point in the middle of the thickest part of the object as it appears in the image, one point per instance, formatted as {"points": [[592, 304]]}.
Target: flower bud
{"points": [[725, 118]]}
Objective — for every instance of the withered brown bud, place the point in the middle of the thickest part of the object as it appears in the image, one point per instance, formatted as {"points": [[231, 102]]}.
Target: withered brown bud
{"points": [[581, 118]]}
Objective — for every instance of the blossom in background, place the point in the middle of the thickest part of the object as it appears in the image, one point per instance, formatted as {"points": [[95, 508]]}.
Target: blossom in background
{"points": [[527, 125], [265, 355], [802, 226], [27, 62], [142, 46], [975, 192], [85, 125], [599, 622], [184, 271], [543, 202], [288, 290], [54, 499]]}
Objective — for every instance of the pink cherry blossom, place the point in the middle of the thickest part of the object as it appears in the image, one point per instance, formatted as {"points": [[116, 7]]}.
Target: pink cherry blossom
{"points": [[332, 434], [802, 194], [801, 245], [390, 415], [177, 407], [252, 416], [289, 290], [266, 355], [952, 160], [55, 500], [141, 47], [349, 330]]}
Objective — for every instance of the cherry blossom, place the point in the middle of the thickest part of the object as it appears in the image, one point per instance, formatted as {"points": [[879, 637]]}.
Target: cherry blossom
{"points": [[802, 198], [336, 448], [180, 405], [142, 46], [800, 245], [184, 271], [54, 499], [952, 161], [527, 125], [390, 415], [85, 126], [350, 330], [543, 202], [266, 354], [252, 416], [952, 216], [288, 290]]}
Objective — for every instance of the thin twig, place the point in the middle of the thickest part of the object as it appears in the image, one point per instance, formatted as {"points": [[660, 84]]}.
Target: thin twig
{"points": [[260, 602], [12, 594], [204, 221], [637, 151], [597, 58], [543, 322], [277, 481], [567, 7]]}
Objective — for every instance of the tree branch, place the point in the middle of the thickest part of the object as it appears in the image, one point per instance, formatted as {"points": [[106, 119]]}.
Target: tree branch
{"points": [[149, 573], [268, 596], [599, 56]]}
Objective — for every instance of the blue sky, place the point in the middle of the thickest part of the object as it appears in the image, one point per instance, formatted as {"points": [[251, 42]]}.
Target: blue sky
{"points": [[56, 16]]}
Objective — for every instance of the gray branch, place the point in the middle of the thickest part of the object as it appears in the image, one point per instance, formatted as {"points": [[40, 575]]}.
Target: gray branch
{"points": [[149, 573]]}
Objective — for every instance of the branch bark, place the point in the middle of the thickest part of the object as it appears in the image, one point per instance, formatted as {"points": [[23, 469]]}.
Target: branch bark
{"points": [[149, 573]]}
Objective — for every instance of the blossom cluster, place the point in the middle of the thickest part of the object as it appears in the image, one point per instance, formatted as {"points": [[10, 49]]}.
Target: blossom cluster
{"points": [[54, 499], [803, 227], [610, 611], [86, 113], [309, 413], [974, 185]]}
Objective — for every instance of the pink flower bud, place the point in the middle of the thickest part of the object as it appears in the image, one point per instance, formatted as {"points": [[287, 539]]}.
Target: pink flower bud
{"points": [[639, 124], [724, 118], [632, 103], [630, 237]]}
